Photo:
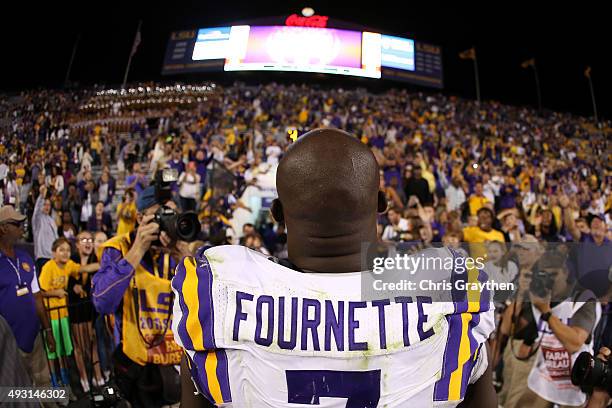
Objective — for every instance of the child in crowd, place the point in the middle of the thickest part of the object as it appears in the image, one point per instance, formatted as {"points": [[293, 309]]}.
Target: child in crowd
{"points": [[53, 282]]}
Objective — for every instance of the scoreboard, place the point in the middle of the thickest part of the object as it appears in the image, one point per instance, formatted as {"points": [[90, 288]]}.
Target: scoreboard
{"points": [[303, 46]]}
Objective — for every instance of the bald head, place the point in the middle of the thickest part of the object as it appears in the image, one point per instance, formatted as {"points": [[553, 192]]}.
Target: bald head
{"points": [[327, 174], [327, 185]]}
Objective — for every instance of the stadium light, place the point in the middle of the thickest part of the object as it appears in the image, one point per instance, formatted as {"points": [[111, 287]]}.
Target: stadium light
{"points": [[307, 11]]}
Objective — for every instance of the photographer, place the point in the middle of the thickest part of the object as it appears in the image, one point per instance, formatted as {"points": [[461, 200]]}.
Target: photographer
{"points": [[548, 335], [134, 283]]}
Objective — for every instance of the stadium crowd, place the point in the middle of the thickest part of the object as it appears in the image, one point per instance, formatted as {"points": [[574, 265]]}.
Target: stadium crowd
{"points": [[453, 171]]}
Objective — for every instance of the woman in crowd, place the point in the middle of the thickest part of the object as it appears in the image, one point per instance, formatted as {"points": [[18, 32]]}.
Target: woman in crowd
{"points": [[55, 180], [189, 188], [100, 220], [81, 311]]}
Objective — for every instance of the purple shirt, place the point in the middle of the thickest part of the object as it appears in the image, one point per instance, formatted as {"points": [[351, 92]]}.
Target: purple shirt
{"points": [[19, 311], [139, 185], [591, 264]]}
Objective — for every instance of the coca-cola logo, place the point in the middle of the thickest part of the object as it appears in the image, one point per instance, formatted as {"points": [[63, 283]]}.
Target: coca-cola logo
{"points": [[312, 21]]}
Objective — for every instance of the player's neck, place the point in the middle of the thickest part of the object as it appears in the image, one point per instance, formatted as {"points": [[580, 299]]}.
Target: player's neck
{"points": [[334, 254]]}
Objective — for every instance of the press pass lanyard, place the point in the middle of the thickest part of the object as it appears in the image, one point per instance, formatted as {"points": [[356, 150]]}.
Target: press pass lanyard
{"points": [[16, 269]]}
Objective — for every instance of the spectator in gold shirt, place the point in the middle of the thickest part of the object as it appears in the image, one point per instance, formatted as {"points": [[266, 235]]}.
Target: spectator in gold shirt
{"points": [[477, 200], [482, 233]]}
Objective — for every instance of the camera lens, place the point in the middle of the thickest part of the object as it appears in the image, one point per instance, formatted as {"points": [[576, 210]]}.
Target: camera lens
{"points": [[589, 372], [582, 369], [188, 226]]}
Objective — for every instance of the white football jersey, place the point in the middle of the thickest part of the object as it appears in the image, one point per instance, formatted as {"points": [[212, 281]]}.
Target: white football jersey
{"points": [[259, 334]]}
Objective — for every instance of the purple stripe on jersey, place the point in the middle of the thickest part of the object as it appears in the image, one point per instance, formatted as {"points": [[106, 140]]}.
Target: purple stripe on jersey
{"points": [[177, 285], [459, 296], [198, 374], [451, 357], [206, 312], [474, 348], [223, 375]]}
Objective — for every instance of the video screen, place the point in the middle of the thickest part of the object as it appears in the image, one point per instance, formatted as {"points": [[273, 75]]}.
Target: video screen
{"points": [[307, 49], [397, 52], [212, 43]]}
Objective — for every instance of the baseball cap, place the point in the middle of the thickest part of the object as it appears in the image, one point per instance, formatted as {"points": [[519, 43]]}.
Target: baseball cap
{"points": [[8, 214], [146, 199]]}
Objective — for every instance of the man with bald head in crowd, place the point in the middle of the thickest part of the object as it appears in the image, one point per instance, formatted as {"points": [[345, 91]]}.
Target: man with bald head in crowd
{"points": [[267, 332]]}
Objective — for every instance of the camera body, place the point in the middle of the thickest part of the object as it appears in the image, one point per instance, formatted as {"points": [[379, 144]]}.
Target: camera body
{"points": [[185, 226], [541, 283], [589, 373], [108, 396]]}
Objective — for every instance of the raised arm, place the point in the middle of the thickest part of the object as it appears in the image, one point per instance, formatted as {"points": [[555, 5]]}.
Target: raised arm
{"points": [[113, 278], [111, 281], [568, 219], [38, 207]]}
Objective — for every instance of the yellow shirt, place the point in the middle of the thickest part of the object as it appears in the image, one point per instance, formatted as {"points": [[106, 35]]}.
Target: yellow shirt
{"points": [[303, 117], [53, 277], [476, 203], [19, 175], [477, 239], [96, 144], [126, 225]]}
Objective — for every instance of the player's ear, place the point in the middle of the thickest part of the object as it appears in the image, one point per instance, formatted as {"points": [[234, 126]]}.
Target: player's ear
{"points": [[383, 205], [277, 211]]}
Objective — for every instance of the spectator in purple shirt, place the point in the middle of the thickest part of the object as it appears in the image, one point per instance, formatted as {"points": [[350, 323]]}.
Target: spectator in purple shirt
{"points": [[21, 302], [137, 179], [592, 253], [508, 194], [100, 220], [201, 160], [177, 164]]}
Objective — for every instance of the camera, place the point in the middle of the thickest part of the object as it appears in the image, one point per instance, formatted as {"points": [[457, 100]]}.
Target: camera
{"points": [[163, 184], [589, 372], [541, 283], [108, 396], [185, 226]]}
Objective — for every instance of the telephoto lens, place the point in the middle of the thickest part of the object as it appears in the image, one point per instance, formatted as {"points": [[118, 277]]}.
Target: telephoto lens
{"points": [[187, 226], [184, 227], [589, 372]]}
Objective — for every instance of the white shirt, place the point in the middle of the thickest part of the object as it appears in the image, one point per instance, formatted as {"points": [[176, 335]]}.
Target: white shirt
{"points": [[273, 153], [86, 209], [3, 171], [455, 196], [189, 185], [391, 231], [499, 274]]}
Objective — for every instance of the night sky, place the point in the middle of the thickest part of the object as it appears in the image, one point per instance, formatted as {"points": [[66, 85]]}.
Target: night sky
{"points": [[564, 39]]}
